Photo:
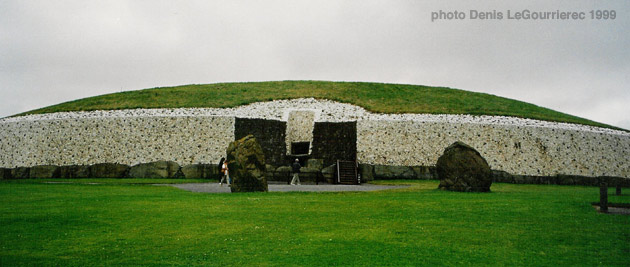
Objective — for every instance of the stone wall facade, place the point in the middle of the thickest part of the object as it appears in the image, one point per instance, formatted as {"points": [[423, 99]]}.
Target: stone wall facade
{"points": [[336, 131], [124, 140], [521, 150]]}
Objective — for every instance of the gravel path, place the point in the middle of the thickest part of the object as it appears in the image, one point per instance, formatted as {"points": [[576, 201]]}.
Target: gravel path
{"points": [[274, 187], [615, 210]]}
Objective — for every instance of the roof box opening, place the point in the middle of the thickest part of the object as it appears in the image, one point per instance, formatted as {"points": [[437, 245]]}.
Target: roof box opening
{"points": [[300, 148]]}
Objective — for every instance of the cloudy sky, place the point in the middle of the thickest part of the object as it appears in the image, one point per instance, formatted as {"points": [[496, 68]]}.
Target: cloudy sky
{"points": [[56, 51]]}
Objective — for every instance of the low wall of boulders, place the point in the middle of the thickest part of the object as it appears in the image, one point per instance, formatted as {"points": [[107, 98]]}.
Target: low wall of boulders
{"points": [[383, 172], [157, 169], [312, 170]]}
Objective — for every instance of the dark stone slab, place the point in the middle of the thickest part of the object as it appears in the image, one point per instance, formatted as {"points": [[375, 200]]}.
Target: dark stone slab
{"points": [[334, 141], [603, 196], [270, 134]]}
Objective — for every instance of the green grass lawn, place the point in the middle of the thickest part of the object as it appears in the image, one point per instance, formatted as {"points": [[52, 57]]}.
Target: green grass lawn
{"points": [[376, 97], [136, 224]]}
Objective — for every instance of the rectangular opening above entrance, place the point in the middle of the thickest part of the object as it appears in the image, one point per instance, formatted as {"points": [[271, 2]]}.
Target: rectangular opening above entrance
{"points": [[300, 148]]}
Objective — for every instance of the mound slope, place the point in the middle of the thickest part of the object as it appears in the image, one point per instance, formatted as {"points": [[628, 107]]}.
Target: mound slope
{"points": [[375, 97]]}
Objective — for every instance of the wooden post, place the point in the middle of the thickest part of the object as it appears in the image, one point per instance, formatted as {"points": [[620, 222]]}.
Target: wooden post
{"points": [[603, 196], [618, 191]]}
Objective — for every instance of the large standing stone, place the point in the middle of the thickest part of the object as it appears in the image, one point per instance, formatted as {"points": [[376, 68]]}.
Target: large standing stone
{"points": [[44, 171], [109, 170], [461, 168], [246, 163], [156, 169]]}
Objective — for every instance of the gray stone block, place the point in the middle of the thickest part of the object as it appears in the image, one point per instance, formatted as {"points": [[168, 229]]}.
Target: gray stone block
{"points": [[283, 169], [193, 171], [309, 170], [109, 170], [157, 169], [44, 171], [367, 172], [329, 172], [330, 169], [200, 171], [269, 168], [315, 163], [424, 172], [5, 173], [74, 171], [21, 173], [393, 172]]}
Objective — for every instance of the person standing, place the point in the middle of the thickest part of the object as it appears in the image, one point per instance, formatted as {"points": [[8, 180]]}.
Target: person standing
{"points": [[296, 172], [220, 168], [226, 173]]}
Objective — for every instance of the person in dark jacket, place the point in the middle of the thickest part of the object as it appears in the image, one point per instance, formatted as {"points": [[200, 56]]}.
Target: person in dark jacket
{"points": [[296, 172]]}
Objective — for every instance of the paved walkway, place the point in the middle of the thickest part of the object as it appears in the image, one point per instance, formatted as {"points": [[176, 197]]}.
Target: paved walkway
{"points": [[615, 210], [276, 187]]}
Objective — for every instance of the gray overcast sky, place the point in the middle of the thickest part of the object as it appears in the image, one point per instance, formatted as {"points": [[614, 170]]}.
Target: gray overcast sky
{"points": [[56, 51]]}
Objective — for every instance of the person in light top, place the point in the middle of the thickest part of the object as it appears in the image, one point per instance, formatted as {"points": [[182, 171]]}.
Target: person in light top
{"points": [[226, 172]]}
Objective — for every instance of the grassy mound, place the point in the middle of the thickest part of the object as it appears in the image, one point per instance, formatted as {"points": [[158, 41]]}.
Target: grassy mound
{"points": [[375, 97]]}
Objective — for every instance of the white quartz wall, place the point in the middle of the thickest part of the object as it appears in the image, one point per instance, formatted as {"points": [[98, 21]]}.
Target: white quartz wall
{"points": [[517, 149], [518, 146], [125, 140]]}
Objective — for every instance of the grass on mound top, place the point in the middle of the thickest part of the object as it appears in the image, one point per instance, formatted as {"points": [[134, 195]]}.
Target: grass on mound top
{"points": [[375, 97]]}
